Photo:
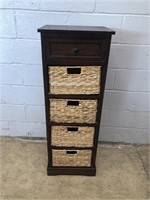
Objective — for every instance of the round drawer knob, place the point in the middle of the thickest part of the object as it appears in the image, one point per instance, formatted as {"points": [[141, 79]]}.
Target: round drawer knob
{"points": [[75, 50]]}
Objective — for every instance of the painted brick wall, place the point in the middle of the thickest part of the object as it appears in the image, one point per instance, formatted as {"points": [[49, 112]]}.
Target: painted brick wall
{"points": [[126, 108]]}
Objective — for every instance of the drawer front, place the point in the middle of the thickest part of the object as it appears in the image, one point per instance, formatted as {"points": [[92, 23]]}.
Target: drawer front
{"points": [[74, 158], [72, 136], [76, 48], [74, 79], [73, 111]]}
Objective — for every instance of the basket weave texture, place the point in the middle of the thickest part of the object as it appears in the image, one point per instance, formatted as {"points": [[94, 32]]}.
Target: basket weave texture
{"points": [[85, 112], [87, 82], [83, 137], [81, 158]]}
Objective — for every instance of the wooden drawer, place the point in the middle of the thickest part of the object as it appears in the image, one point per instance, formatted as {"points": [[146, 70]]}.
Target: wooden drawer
{"points": [[74, 79], [76, 48], [74, 158], [73, 111], [72, 136]]}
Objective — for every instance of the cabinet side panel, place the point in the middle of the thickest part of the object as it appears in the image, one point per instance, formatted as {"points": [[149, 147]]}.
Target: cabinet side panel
{"points": [[46, 91], [100, 100]]}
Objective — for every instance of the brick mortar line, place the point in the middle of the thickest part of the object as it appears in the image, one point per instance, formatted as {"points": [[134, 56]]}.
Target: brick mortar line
{"points": [[19, 38], [133, 91], [9, 104], [112, 44], [67, 19], [77, 12], [15, 22], [114, 79], [36, 39], [21, 85], [115, 110], [21, 105], [28, 122], [27, 65], [120, 69], [128, 44], [126, 91], [24, 104], [24, 64], [41, 86], [128, 69], [95, 2]]}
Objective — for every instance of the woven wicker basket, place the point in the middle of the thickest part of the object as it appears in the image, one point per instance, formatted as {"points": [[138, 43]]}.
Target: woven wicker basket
{"points": [[74, 80], [72, 136], [70, 111], [71, 158]]}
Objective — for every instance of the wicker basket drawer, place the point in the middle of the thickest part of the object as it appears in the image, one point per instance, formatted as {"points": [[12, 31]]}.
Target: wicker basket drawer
{"points": [[70, 111], [76, 158], [74, 80], [72, 136]]}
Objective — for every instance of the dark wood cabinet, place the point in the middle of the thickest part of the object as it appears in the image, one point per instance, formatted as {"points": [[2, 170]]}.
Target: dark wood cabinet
{"points": [[74, 69]]}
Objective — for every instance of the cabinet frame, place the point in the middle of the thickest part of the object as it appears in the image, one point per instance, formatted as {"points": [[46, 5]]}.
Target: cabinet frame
{"points": [[46, 36]]}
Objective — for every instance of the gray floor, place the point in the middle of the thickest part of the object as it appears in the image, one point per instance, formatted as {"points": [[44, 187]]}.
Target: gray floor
{"points": [[122, 173]]}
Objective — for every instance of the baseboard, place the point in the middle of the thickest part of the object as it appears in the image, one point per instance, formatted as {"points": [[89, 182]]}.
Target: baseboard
{"points": [[86, 171]]}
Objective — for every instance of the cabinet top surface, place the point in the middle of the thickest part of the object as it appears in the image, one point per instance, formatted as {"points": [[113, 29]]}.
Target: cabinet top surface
{"points": [[67, 28]]}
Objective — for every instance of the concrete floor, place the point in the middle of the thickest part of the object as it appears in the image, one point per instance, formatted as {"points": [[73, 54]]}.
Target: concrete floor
{"points": [[122, 173]]}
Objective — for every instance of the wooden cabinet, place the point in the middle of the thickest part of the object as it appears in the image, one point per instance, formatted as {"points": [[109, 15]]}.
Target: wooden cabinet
{"points": [[74, 69]]}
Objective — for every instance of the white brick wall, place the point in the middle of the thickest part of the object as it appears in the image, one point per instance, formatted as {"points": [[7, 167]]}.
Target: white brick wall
{"points": [[112, 21], [32, 20], [122, 6], [125, 116], [7, 29]]}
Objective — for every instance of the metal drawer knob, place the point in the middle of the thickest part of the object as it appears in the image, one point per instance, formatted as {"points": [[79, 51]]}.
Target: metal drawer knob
{"points": [[75, 50]]}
